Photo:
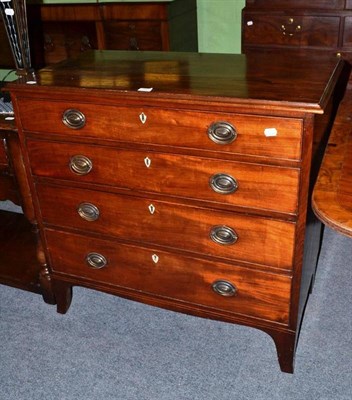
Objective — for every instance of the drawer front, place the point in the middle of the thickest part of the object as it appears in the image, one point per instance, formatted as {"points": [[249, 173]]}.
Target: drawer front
{"points": [[65, 39], [295, 30], [216, 181], [133, 35], [303, 4], [347, 37], [221, 234], [256, 294], [147, 11], [255, 135]]}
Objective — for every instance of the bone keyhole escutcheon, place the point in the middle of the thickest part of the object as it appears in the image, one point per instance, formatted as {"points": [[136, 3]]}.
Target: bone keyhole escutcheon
{"points": [[147, 162]]}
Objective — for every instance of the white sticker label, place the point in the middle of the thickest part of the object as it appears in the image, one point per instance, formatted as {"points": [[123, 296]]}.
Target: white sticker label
{"points": [[9, 118], [270, 132], [145, 89], [9, 11]]}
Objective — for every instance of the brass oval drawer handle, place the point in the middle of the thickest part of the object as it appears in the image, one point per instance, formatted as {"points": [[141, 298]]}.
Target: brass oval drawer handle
{"points": [[74, 119], [96, 260], [221, 132], [88, 211], [223, 183], [224, 288], [222, 234], [80, 165]]}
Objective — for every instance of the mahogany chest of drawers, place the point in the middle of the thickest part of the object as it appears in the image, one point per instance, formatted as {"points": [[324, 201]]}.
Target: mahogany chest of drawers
{"points": [[180, 180], [319, 25]]}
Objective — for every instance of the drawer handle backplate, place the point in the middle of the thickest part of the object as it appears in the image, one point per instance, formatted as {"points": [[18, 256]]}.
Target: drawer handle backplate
{"points": [[223, 183], [224, 288], [96, 260], [290, 29], [73, 119], [223, 234], [80, 165], [88, 211], [222, 132]]}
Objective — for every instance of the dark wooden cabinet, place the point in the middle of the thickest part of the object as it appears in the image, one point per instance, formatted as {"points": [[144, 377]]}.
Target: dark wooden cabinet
{"points": [[69, 29], [60, 31], [321, 26], [181, 180], [297, 4]]}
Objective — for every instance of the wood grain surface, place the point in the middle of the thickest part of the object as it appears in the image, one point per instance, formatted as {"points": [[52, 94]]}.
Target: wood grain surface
{"points": [[332, 196]]}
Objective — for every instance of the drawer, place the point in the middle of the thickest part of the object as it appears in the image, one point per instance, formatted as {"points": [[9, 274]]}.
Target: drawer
{"points": [[147, 11], [221, 234], [347, 37], [166, 275], [66, 39], [69, 12], [224, 182], [133, 35], [250, 135], [295, 30], [291, 4]]}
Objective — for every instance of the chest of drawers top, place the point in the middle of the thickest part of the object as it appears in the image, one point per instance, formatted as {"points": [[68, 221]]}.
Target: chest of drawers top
{"points": [[269, 81]]}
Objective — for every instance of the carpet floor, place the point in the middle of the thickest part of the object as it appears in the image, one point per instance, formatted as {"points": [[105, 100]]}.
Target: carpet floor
{"points": [[110, 348]]}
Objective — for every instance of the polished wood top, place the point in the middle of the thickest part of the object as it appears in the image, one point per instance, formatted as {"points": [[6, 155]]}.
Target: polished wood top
{"points": [[271, 80], [332, 195]]}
